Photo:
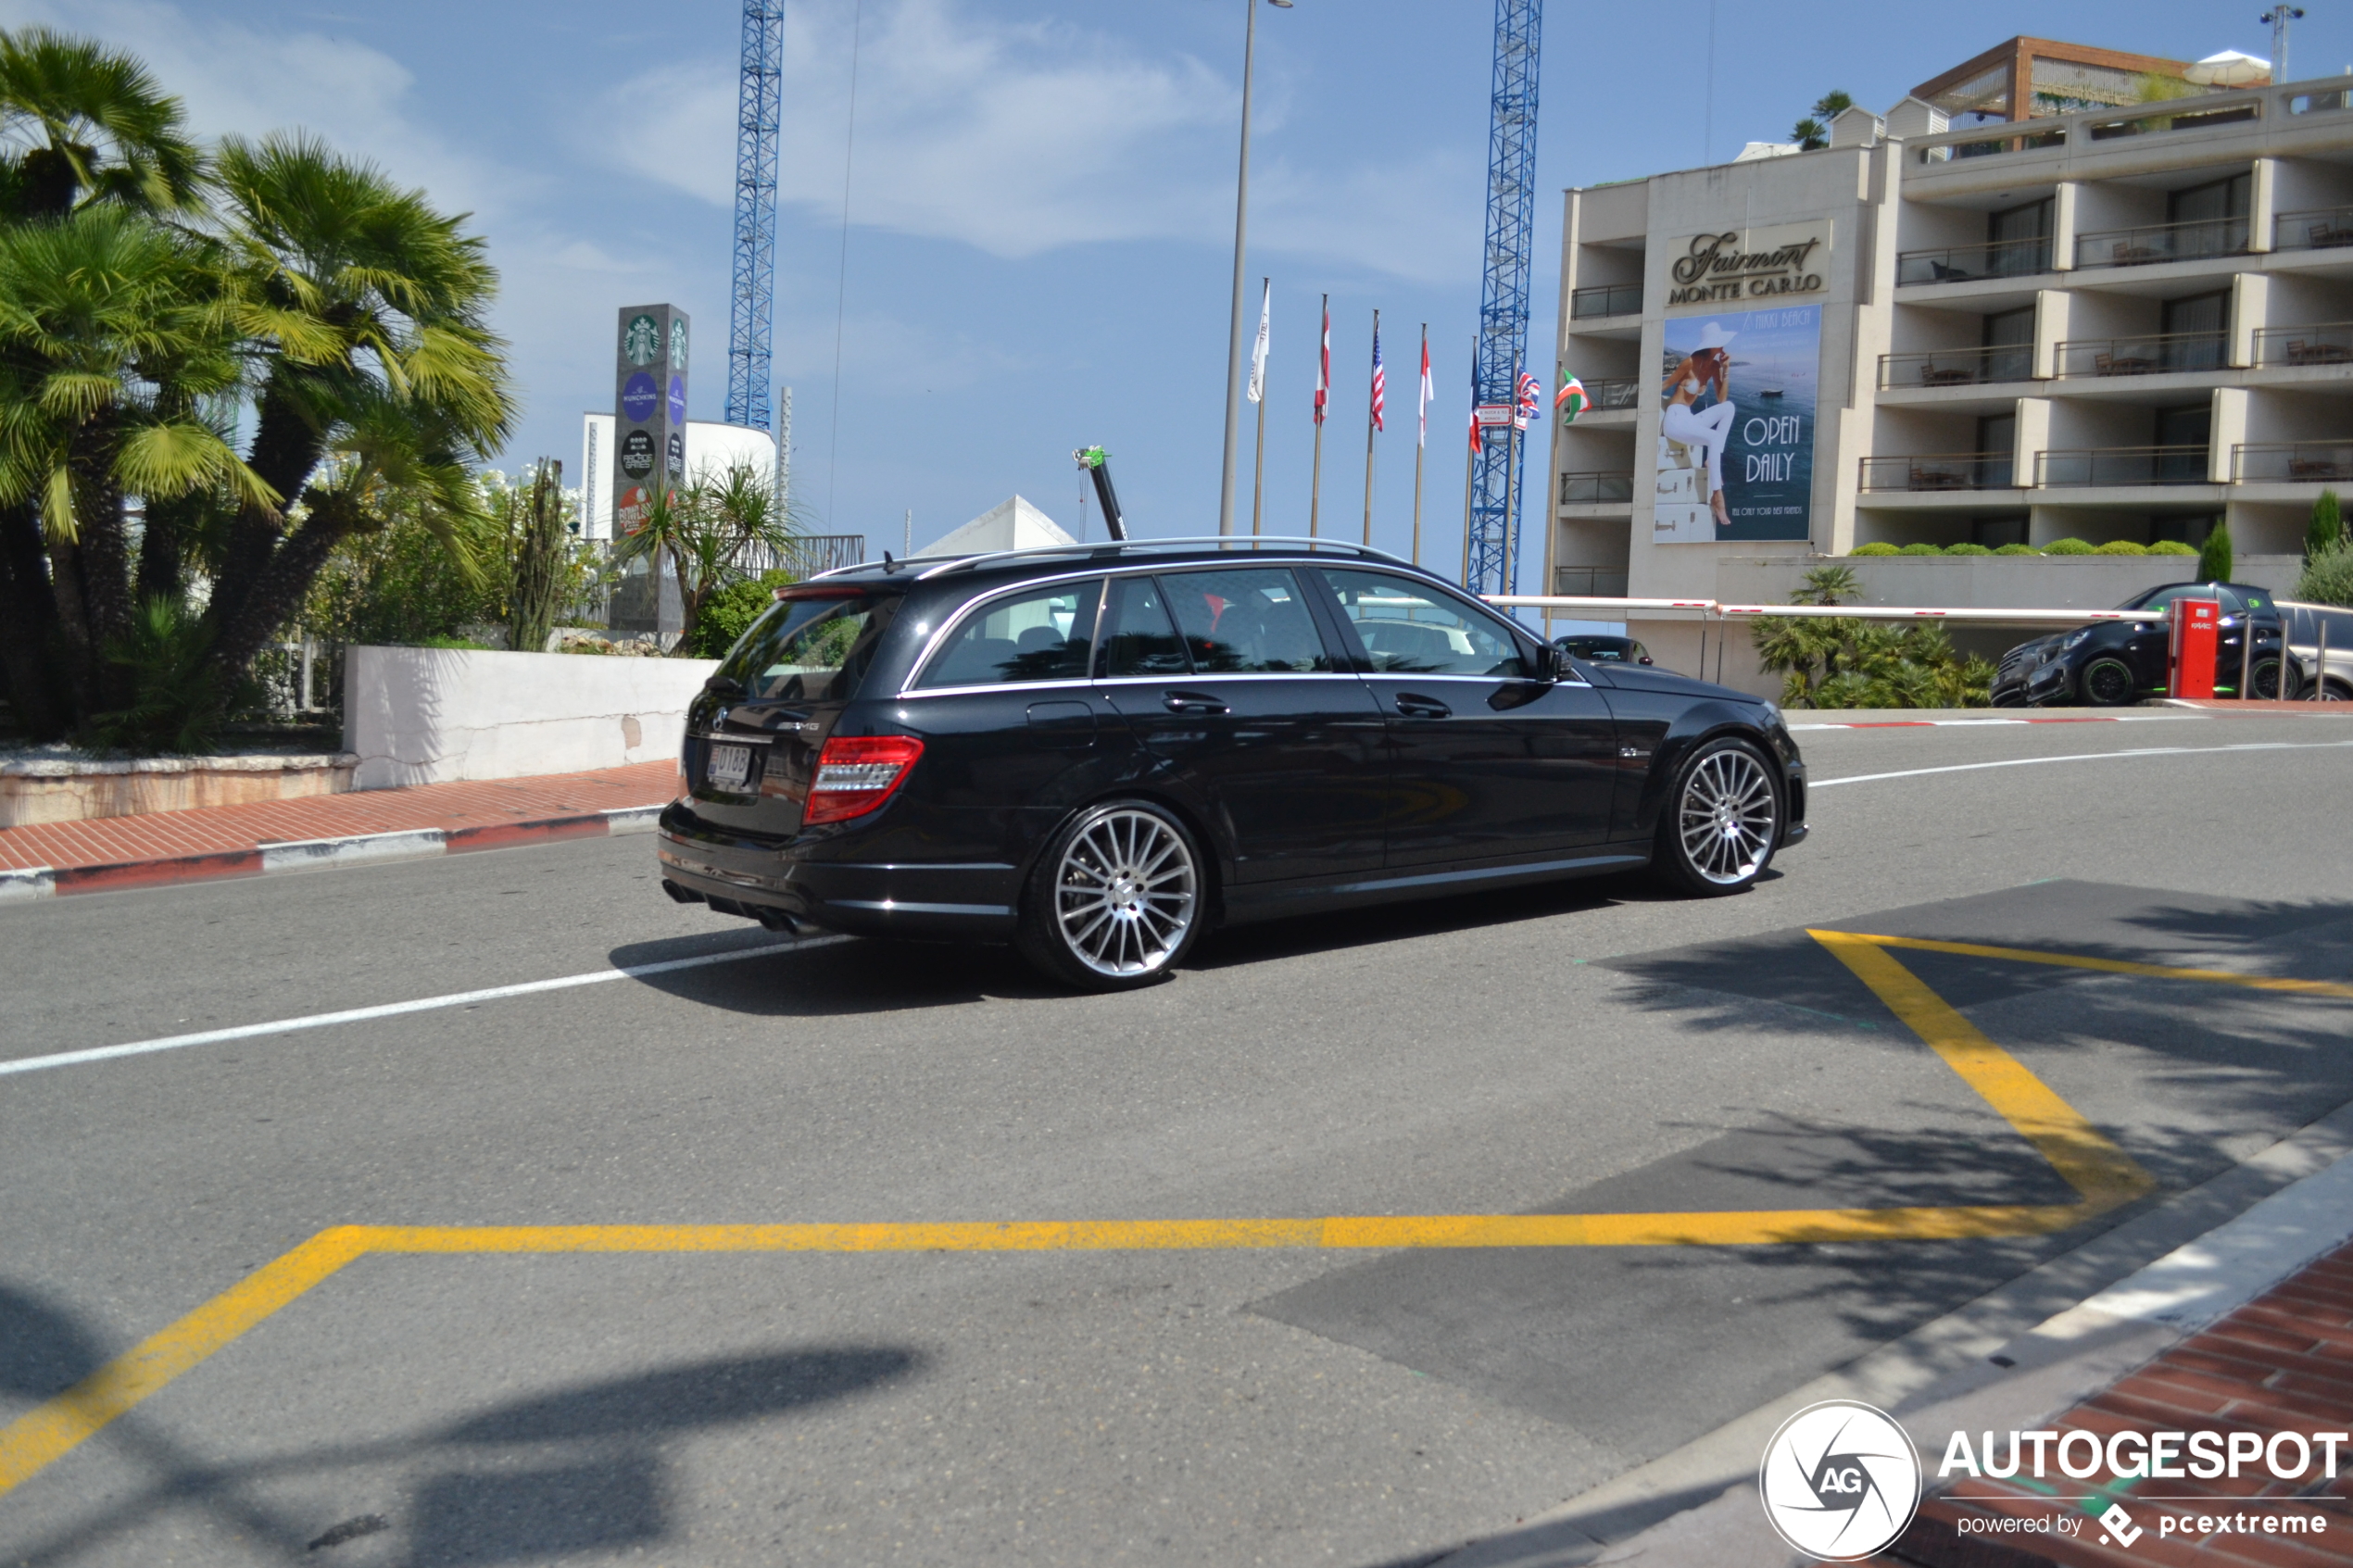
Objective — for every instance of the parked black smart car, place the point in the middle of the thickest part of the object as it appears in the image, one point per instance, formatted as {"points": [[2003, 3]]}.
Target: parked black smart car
{"points": [[2109, 662], [1095, 752]]}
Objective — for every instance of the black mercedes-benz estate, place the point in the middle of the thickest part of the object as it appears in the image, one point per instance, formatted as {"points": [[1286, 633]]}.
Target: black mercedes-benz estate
{"points": [[1098, 752], [2109, 662]]}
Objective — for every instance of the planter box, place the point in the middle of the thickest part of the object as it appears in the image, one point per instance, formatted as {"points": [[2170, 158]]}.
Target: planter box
{"points": [[418, 716], [57, 790]]}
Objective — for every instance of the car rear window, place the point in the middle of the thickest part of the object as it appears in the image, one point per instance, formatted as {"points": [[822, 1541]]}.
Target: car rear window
{"points": [[815, 645]]}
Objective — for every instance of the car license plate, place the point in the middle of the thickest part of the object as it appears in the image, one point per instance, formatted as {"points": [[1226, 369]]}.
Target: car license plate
{"points": [[729, 768]]}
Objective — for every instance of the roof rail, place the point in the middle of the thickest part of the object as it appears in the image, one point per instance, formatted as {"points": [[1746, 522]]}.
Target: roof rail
{"points": [[1129, 546]]}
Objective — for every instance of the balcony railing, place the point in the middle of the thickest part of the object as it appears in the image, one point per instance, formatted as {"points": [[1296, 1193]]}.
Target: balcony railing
{"points": [[2153, 242], [1962, 264], [1958, 367], [2321, 229], [1589, 582], [1607, 299], [2328, 342], [1613, 394], [2156, 355], [2291, 462], [2071, 468], [2154, 124], [1596, 489], [1941, 471]]}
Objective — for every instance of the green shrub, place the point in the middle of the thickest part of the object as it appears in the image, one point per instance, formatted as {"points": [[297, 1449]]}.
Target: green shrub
{"points": [[2121, 548], [2171, 548], [2328, 578], [1876, 547], [2067, 548], [2214, 556], [1967, 551], [729, 612], [2017, 550], [2326, 528], [1835, 663], [1921, 550]]}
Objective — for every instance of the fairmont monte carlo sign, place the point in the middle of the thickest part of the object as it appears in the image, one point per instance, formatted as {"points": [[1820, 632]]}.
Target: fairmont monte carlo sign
{"points": [[1718, 269]]}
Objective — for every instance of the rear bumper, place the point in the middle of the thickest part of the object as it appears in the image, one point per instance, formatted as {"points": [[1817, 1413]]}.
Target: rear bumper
{"points": [[964, 901]]}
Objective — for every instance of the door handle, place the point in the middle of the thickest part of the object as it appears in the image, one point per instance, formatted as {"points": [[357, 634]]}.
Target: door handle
{"points": [[1416, 707], [1199, 703]]}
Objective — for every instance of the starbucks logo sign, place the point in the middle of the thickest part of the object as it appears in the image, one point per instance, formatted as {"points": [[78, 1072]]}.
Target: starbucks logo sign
{"points": [[677, 343], [641, 340]]}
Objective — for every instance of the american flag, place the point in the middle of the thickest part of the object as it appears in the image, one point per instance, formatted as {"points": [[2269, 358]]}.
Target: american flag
{"points": [[1323, 364], [1380, 379]]}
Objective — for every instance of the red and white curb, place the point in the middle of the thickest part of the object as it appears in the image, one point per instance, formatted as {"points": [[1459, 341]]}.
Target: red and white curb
{"points": [[1985, 723], [39, 881]]}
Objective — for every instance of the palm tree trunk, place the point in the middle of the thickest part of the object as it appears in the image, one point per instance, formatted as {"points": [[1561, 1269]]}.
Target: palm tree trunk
{"points": [[28, 626], [163, 546], [273, 600], [286, 448], [104, 557]]}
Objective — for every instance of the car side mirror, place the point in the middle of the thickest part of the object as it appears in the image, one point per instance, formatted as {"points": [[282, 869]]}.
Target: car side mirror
{"points": [[1549, 662]]}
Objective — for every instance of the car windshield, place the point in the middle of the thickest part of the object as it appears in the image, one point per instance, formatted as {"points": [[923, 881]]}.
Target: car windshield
{"points": [[815, 645]]}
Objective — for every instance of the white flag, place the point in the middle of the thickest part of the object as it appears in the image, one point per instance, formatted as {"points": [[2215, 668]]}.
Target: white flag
{"points": [[1258, 352]]}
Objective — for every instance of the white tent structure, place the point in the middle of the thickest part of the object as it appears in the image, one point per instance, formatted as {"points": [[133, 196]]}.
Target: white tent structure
{"points": [[1013, 524]]}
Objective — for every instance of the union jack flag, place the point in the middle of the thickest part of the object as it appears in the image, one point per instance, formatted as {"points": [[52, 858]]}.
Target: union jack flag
{"points": [[1531, 396], [1380, 382]]}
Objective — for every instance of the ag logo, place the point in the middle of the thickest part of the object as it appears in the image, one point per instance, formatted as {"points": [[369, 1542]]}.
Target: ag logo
{"points": [[636, 454], [640, 340], [1839, 1481]]}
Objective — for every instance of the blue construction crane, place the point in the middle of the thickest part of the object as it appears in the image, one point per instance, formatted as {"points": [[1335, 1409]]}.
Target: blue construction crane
{"points": [[1492, 547], [752, 304]]}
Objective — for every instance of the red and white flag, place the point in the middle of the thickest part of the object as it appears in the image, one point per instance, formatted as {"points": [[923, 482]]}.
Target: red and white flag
{"points": [[1421, 436], [1323, 364], [1381, 378]]}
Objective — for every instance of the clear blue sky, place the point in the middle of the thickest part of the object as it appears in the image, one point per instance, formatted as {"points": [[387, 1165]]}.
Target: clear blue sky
{"points": [[1041, 200]]}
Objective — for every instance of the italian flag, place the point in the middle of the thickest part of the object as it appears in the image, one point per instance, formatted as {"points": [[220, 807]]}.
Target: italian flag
{"points": [[1571, 400]]}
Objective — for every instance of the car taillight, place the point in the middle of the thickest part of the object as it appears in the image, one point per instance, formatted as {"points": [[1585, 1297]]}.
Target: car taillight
{"points": [[856, 775]]}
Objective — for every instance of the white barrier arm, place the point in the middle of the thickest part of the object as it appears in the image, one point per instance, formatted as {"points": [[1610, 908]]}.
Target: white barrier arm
{"points": [[1712, 609]]}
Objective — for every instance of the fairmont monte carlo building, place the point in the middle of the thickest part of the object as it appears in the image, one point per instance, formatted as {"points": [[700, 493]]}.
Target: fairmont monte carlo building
{"points": [[2057, 294]]}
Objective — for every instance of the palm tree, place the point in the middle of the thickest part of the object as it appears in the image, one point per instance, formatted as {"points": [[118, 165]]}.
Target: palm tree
{"points": [[707, 530], [357, 294], [1812, 133], [106, 335], [83, 122]]}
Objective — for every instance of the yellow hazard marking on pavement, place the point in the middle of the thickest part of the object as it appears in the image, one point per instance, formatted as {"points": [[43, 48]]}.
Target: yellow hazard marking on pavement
{"points": [[2103, 1175], [2113, 966]]}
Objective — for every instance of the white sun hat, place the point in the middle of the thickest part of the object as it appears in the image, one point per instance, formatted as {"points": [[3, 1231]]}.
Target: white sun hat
{"points": [[1712, 335]]}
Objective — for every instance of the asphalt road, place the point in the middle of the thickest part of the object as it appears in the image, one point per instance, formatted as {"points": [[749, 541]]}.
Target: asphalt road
{"points": [[1593, 1048]]}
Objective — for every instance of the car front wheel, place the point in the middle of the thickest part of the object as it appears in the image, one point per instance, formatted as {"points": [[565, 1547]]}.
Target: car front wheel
{"points": [[1722, 820], [2108, 683], [1116, 899]]}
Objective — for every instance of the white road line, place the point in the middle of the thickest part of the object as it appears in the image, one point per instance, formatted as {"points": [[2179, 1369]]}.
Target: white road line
{"points": [[393, 1010], [2086, 757], [1988, 724]]}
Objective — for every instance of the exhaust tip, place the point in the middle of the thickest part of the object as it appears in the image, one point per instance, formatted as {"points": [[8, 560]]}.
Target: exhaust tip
{"points": [[777, 919], [683, 894]]}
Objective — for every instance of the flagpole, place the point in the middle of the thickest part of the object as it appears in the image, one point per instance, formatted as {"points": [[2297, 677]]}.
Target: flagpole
{"points": [[1234, 331], [1370, 427], [1316, 479], [1508, 579], [1421, 441], [1258, 377]]}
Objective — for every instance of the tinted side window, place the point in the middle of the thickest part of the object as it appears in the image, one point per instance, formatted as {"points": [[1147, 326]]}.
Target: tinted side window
{"points": [[1139, 639], [1045, 634], [1245, 623], [1412, 630]]}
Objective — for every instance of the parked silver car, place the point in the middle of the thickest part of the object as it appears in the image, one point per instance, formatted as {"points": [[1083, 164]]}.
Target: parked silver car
{"points": [[2313, 633]]}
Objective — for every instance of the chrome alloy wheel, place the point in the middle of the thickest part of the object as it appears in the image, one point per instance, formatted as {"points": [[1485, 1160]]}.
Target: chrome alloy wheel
{"points": [[1124, 893], [1727, 816]]}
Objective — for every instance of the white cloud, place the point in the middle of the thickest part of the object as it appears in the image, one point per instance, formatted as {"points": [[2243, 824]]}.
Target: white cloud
{"points": [[1009, 138]]}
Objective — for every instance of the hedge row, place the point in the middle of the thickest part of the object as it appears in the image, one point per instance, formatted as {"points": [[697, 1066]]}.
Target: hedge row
{"points": [[2055, 547]]}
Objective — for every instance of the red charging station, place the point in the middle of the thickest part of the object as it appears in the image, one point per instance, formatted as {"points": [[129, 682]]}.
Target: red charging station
{"points": [[2189, 666]]}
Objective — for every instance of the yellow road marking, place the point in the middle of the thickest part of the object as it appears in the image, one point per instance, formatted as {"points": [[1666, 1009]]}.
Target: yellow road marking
{"points": [[2103, 1175], [48, 1432], [2114, 966]]}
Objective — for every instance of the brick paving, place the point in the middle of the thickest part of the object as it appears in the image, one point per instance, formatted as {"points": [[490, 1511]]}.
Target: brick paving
{"points": [[230, 830], [2284, 1363]]}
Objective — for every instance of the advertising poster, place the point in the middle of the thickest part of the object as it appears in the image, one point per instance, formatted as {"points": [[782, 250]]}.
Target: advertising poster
{"points": [[1736, 436]]}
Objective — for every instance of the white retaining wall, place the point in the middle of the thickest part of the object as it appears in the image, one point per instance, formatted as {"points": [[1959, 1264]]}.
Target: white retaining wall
{"points": [[418, 716]]}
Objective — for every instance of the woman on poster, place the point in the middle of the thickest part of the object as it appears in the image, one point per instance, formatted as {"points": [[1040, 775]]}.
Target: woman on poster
{"points": [[1703, 370]]}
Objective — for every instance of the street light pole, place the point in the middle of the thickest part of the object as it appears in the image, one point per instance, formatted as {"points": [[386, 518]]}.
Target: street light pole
{"points": [[1234, 335], [2279, 17]]}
